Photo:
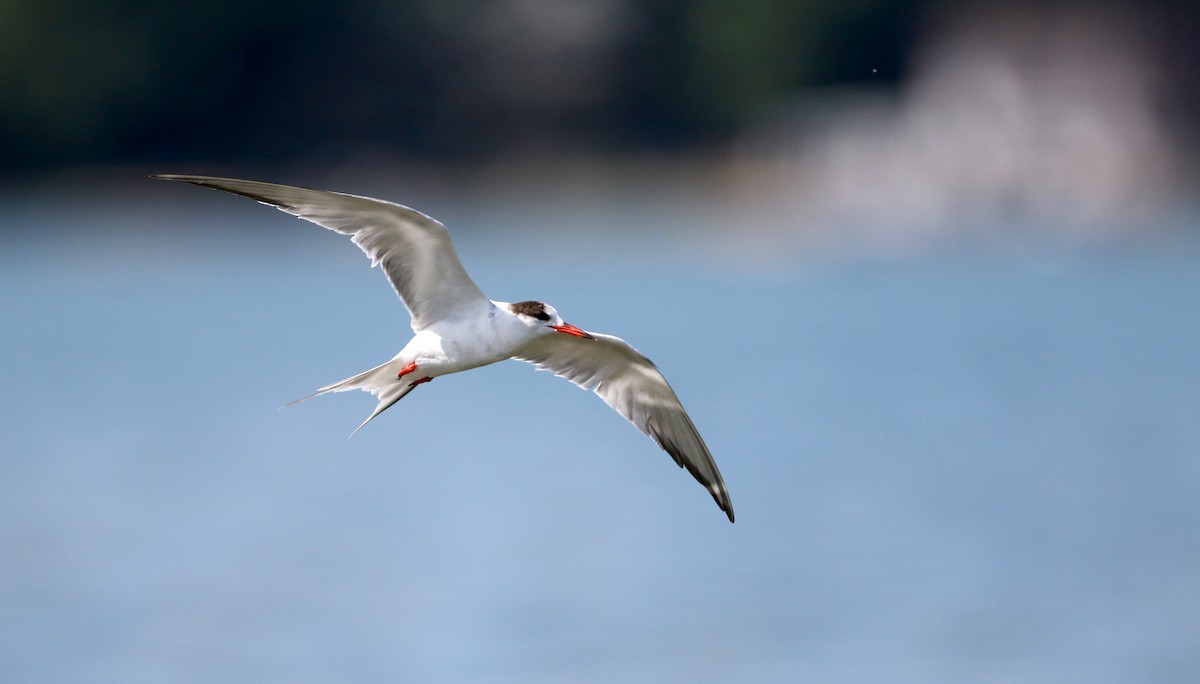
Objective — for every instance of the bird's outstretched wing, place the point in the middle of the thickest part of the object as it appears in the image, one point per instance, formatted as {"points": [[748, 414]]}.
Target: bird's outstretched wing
{"points": [[415, 251], [633, 386]]}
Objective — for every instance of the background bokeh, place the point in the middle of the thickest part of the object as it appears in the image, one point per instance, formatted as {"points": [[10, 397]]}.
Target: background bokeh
{"points": [[925, 274]]}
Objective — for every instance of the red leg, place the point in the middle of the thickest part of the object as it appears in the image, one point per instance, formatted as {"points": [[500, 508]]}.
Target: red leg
{"points": [[409, 369]]}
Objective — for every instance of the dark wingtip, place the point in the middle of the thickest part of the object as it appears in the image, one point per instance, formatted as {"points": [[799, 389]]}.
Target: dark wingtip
{"points": [[723, 503], [715, 489]]}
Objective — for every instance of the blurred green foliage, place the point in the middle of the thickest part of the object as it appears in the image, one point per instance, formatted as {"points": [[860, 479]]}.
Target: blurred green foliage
{"points": [[127, 80]]}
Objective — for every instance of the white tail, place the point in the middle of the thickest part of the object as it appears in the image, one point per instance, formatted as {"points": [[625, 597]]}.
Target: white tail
{"points": [[380, 381]]}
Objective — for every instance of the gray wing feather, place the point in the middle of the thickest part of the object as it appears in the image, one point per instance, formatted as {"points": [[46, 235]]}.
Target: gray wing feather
{"points": [[415, 250], [634, 388]]}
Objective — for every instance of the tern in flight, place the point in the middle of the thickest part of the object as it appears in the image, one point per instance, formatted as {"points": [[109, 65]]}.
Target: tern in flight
{"points": [[457, 328]]}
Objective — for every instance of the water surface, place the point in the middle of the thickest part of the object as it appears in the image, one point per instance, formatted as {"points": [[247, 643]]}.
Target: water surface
{"points": [[971, 465]]}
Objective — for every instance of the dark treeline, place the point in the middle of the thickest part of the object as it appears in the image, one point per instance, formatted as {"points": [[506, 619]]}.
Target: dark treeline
{"points": [[83, 81], [128, 80]]}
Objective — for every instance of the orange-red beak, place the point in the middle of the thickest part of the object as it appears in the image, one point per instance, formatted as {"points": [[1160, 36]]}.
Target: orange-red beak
{"points": [[572, 330]]}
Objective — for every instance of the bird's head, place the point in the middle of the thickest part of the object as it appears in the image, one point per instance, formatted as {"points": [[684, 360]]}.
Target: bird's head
{"points": [[542, 315]]}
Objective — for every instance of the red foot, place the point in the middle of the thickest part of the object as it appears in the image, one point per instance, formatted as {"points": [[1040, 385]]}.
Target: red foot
{"points": [[407, 369], [410, 368]]}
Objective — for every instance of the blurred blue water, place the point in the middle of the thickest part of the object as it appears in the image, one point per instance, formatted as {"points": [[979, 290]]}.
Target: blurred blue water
{"points": [[971, 465]]}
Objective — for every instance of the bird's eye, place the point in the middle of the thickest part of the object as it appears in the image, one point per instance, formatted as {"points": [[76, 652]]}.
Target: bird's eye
{"points": [[542, 316]]}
